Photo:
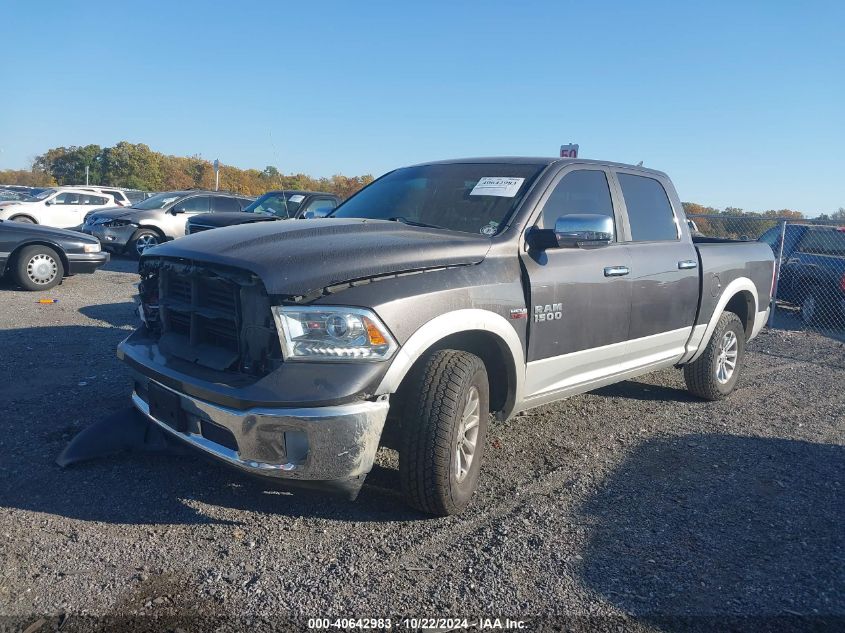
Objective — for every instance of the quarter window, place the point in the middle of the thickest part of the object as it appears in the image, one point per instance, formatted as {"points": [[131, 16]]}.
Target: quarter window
{"points": [[649, 212], [580, 191]]}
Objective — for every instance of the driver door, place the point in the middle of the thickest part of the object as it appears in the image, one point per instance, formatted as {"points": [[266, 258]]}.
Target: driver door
{"points": [[184, 209], [63, 211], [580, 298]]}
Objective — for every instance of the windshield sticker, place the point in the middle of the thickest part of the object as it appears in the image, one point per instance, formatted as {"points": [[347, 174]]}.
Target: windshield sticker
{"points": [[296, 198], [503, 187], [490, 229]]}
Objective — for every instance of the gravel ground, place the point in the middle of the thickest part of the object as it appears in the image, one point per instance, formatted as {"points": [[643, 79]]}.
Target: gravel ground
{"points": [[616, 509]]}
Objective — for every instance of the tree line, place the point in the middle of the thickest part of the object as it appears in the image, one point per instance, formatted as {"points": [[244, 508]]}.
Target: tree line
{"points": [[735, 223], [136, 166]]}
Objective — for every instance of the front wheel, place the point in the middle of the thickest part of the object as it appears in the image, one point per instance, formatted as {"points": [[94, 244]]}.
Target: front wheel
{"points": [[38, 268], [715, 373], [23, 219], [443, 432], [141, 240]]}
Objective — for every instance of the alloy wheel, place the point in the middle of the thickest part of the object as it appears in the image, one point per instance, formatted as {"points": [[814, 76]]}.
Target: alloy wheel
{"points": [[467, 434], [726, 361]]}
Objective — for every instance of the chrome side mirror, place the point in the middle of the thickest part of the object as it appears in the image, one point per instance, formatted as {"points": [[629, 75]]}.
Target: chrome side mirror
{"points": [[583, 229]]}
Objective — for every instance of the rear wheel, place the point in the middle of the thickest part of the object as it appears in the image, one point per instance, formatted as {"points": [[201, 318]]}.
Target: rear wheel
{"points": [[38, 268], [141, 240], [810, 303], [24, 219], [443, 432], [715, 373]]}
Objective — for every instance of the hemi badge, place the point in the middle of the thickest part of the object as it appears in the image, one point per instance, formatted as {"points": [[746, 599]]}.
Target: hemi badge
{"points": [[519, 313]]}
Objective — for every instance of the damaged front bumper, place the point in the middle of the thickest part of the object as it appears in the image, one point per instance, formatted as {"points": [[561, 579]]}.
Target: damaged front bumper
{"points": [[330, 448]]}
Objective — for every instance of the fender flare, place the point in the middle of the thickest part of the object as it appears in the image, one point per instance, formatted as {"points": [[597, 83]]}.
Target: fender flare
{"points": [[24, 215], [738, 285], [464, 320]]}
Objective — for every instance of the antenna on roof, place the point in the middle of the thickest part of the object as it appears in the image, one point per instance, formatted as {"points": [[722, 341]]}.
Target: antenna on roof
{"points": [[640, 164]]}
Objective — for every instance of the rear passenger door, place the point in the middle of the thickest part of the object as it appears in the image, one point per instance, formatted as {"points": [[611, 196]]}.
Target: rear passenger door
{"points": [[664, 268], [580, 298]]}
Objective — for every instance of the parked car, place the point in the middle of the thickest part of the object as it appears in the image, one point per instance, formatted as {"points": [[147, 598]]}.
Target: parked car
{"points": [[27, 191], [273, 205], [123, 197], [812, 269], [39, 257], [157, 219], [60, 207], [10, 195], [434, 296]]}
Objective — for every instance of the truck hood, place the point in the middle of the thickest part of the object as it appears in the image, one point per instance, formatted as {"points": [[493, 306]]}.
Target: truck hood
{"points": [[299, 257], [229, 218]]}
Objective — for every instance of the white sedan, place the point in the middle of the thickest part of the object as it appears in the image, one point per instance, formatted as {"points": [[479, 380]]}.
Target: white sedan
{"points": [[62, 207]]}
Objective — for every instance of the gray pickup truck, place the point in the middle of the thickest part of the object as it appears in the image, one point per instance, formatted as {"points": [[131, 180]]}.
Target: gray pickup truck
{"points": [[438, 296]]}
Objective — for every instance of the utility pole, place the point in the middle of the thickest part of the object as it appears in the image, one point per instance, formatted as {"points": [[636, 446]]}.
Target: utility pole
{"points": [[86, 174], [216, 174]]}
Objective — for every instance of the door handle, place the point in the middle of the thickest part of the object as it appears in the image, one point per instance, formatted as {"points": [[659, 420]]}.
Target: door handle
{"points": [[687, 264], [616, 271]]}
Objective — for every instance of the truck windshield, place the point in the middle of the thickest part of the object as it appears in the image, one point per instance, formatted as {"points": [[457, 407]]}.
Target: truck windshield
{"points": [[467, 197]]}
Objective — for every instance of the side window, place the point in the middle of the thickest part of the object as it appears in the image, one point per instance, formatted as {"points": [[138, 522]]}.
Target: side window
{"points": [[197, 204], [87, 198], [580, 191], [66, 198], [320, 205], [223, 204], [823, 242], [649, 212]]}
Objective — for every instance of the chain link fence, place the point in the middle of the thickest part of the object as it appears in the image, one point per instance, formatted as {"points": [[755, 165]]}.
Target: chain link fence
{"points": [[810, 267]]}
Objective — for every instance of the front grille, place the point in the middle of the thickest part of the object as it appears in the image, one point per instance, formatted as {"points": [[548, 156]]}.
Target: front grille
{"points": [[198, 228], [201, 316]]}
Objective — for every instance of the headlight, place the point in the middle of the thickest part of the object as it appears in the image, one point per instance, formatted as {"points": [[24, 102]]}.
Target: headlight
{"points": [[110, 223], [332, 333], [91, 248]]}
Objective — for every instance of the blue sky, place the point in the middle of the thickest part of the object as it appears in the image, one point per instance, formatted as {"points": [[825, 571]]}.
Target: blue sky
{"points": [[742, 103]]}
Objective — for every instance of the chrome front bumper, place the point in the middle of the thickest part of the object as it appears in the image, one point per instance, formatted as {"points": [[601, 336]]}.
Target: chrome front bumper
{"points": [[321, 444]]}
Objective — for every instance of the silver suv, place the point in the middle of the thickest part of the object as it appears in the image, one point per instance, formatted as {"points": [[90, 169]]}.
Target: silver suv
{"points": [[157, 219]]}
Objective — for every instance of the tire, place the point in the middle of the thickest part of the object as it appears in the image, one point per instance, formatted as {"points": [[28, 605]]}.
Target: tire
{"points": [[38, 267], [23, 219], [141, 240], [710, 376], [450, 391], [810, 303]]}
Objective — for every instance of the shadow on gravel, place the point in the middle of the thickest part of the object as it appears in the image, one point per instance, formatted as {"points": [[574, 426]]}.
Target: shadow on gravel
{"points": [[705, 524], [83, 383], [115, 314], [121, 264], [643, 391]]}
